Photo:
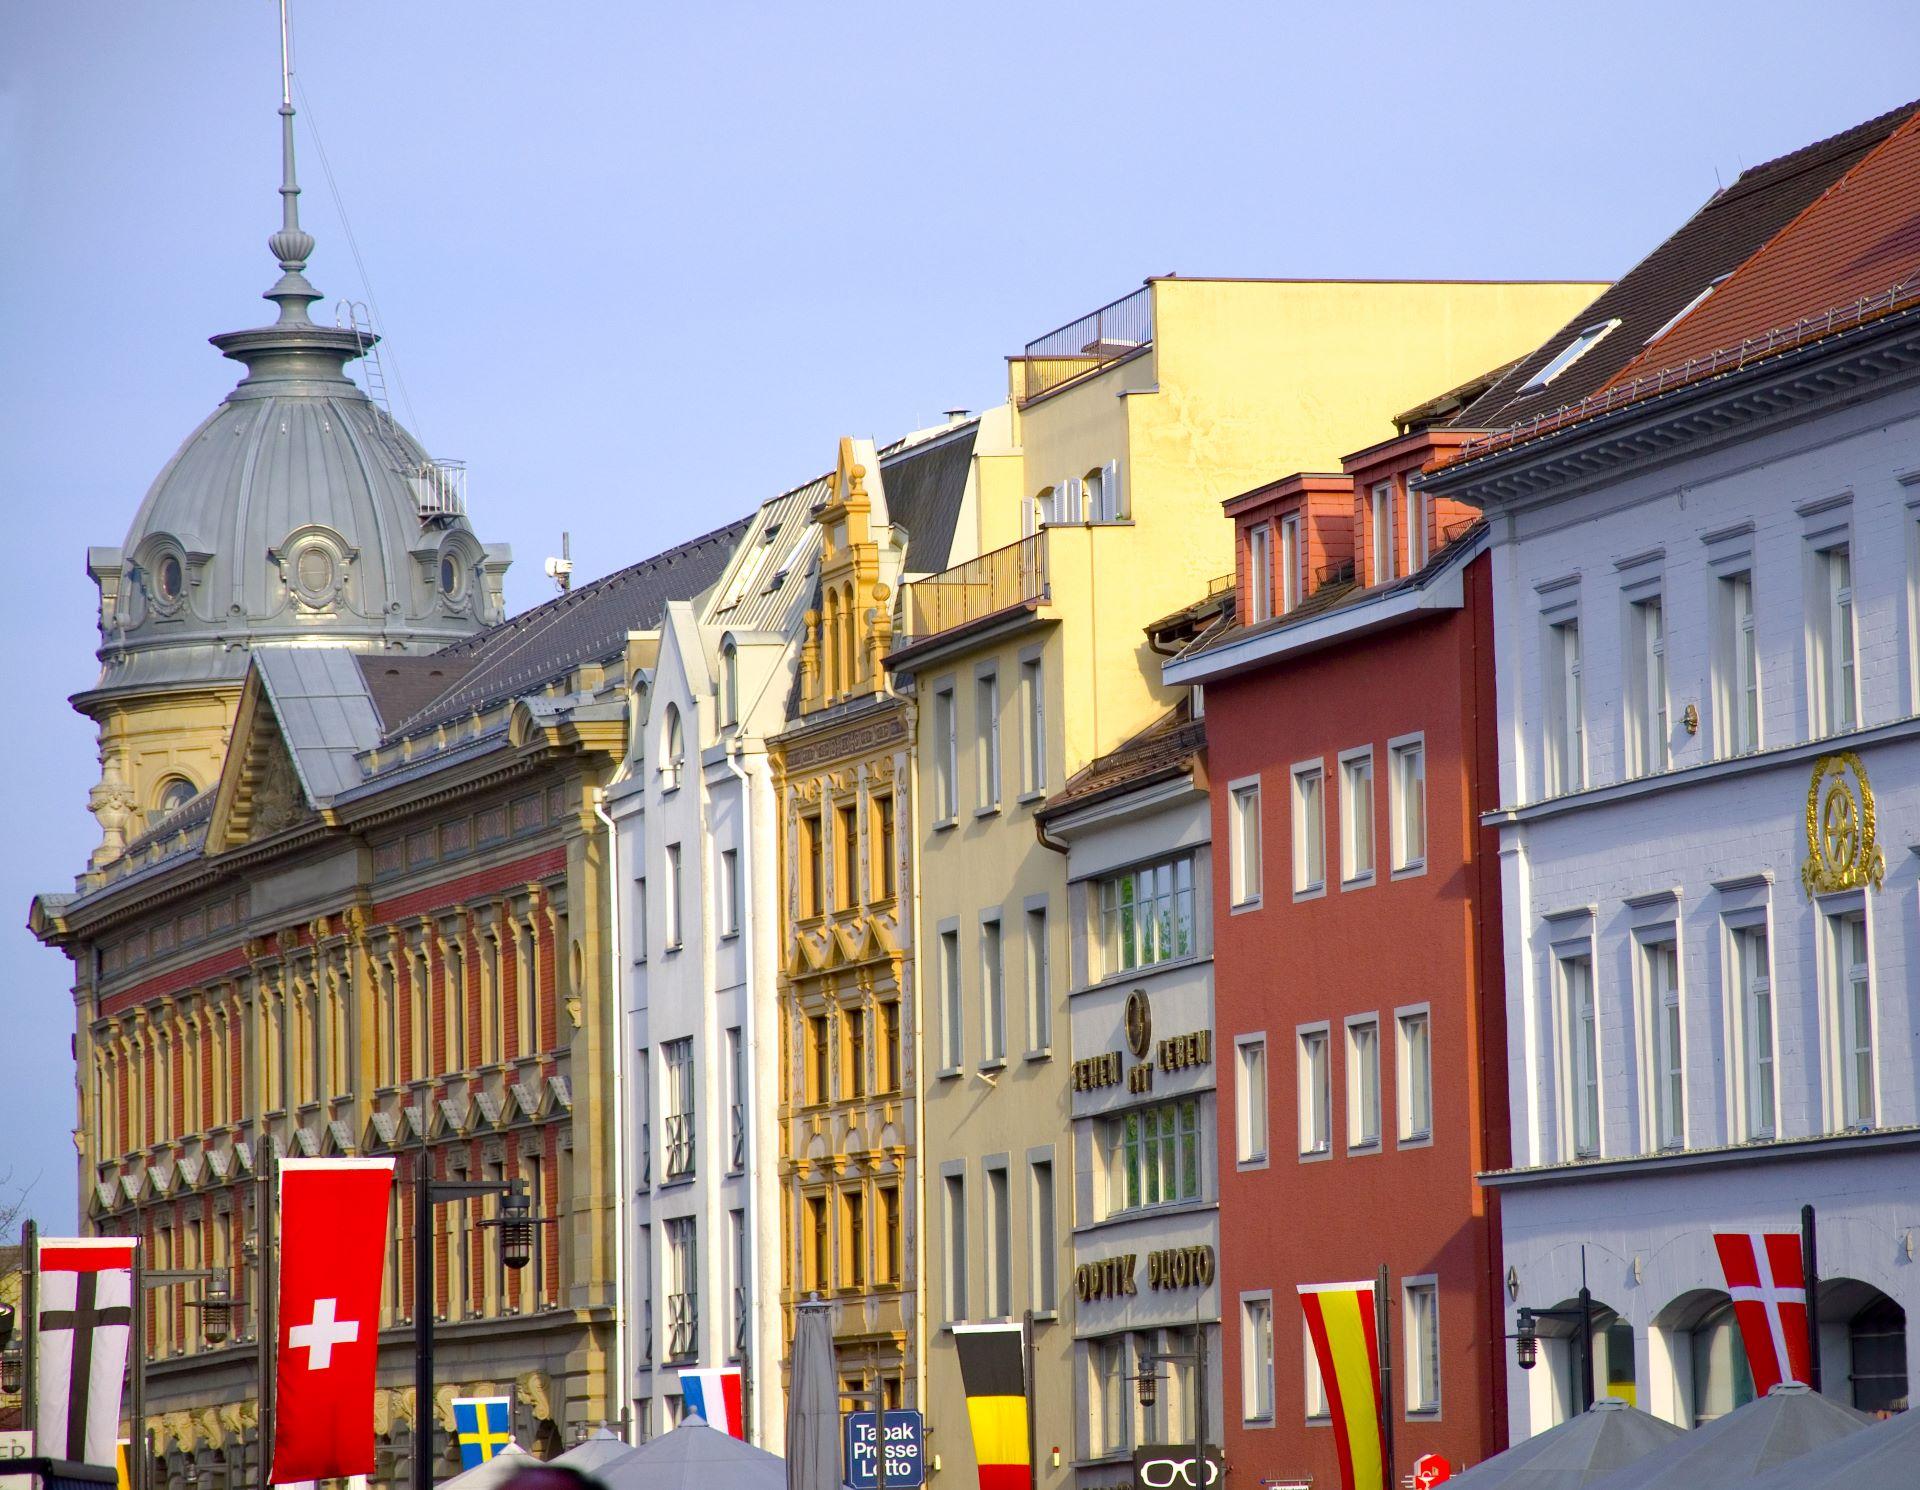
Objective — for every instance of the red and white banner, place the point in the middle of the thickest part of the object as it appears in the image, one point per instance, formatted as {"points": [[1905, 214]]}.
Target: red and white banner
{"points": [[1769, 1291], [333, 1243], [85, 1304]]}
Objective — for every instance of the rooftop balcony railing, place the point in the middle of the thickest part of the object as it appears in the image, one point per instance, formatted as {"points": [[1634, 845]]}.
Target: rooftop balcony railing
{"points": [[996, 581], [1088, 344]]}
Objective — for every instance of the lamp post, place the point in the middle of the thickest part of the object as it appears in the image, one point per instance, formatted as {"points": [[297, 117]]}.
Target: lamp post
{"points": [[13, 1359], [515, 1222], [1526, 1338], [1148, 1379], [216, 1324]]}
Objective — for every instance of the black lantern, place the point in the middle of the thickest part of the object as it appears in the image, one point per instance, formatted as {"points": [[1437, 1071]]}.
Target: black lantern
{"points": [[216, 1310], [1526, 1341], [1149, 1383], [13, 1369], [516, 1227], [6, 1325]]}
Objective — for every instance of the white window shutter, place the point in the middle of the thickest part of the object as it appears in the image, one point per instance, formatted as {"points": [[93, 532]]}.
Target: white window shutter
{"points": [[1110, 491], [1075, 490]]}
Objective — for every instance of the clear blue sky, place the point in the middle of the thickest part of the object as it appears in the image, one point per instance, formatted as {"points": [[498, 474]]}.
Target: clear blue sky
{"points": [[642, 264]]}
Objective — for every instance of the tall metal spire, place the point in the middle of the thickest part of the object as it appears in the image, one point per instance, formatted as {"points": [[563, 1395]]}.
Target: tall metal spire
{"points": [[292, 245]]}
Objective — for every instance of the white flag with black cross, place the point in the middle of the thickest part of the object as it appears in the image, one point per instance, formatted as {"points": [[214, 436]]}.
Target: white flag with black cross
{"points": [[84, 1299]]}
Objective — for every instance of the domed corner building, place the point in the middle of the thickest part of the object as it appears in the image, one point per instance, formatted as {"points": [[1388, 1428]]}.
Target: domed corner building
{"points": [[299, 512], [350, 899]]}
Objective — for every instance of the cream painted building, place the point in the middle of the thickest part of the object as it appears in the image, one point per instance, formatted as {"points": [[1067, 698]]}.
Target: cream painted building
{"points": [[1098, 506]]}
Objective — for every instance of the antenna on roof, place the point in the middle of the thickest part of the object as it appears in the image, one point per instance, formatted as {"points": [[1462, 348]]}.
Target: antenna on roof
{"points": [[560, 570], [292, 245]]}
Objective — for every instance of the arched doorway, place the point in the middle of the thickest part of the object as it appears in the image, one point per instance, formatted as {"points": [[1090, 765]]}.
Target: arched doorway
{"points": [[1699, 1363], [1863, 1346], [1556, 1385]]}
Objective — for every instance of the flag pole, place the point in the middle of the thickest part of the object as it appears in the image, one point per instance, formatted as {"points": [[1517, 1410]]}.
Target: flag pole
{"points": [[1032, 1393], [1382, 1331], [139, 1467], [266, 1317], [1810, 1267], [30, 1322]]}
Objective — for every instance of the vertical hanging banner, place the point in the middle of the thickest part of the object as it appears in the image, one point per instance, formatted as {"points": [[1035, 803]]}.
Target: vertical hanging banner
{"points": [[333, 1243], [1769, 1289], [85, 1304], [993, 1373], [1340, 1323]]}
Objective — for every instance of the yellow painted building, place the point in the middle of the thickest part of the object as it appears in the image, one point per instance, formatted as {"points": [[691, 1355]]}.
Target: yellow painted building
{"points": [[1098, 510]]}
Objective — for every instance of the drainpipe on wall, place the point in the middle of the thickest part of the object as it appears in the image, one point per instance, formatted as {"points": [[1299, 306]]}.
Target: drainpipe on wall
{"points": [[622, 1195]]}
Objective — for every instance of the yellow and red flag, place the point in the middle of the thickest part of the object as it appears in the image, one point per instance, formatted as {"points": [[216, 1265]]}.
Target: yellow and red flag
{"points": [[1341, 1325], [993, 1372]]}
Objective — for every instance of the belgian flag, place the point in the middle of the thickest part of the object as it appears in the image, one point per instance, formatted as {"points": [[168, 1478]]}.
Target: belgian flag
{"points": [[993, 1373]]}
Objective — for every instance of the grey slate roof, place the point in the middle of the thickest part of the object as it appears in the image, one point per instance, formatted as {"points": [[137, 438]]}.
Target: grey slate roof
{"points": [[1726, 231], [325, 713], [584, 625], [926, 482]]}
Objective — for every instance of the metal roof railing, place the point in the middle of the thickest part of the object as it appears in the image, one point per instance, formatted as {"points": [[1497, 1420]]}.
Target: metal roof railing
{"points": [[1097, 339], [1726, 359], [994, 582]]}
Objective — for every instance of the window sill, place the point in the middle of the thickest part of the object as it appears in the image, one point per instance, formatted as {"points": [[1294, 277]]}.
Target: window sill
{"points": [[946, 823], [1045, 1316], [1316, 1156], [1415, 1141], [1029, 798], [1360, 1150], [1411, 871], [1358, 882], [730, 936], [1423, 1414], [1144, 970], [1311, 892], [1265, 1420], [1239, 907], [1044, 1053], [992, 809], [1257, 1161], [948, 1073], [672, 947], [997, 1064]]}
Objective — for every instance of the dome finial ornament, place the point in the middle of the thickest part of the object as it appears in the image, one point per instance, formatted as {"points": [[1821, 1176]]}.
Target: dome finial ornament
{"points": [[292, 245]]}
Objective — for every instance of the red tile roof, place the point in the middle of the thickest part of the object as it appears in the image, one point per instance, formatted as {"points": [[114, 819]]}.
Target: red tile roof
{"points": [[1860, 238], [1167, 747]]}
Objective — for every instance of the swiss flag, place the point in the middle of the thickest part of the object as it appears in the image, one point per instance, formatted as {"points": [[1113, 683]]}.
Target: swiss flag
{"points": [[1769, 1292], [333, 1241]]}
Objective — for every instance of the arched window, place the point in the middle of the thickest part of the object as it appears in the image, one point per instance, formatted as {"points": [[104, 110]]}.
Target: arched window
{"points": [[850, 663], [173, 793], [729, 684], [673, 752], [830, 644]]}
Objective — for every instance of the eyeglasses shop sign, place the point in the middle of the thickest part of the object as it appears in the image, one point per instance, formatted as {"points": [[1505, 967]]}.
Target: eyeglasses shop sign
{"points": [[1166, 1466]]}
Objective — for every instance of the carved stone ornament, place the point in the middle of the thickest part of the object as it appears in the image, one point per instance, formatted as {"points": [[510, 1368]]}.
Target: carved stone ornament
{"points": [[277, 797], [1842, 852]]}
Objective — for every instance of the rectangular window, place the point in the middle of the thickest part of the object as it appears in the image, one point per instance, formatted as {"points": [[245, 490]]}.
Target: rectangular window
{"points": [[1422, 1312], [1356, 818], [1259, 573], [956, 1238], [1107, 1395], [676, 1059], [814, 1262], [846, 852], [1033, 712], [885, 867], [952, 1046], [999, 1244], [1580, 1020], [1292, 574], [1413, 1077], [1660, 972], [1043, 1266], [1315, 1394], [853, 1053], [813, 881], [853, 1239], [1256, 1360], [1566, 754], [1737, 668], [1039, 982], [1381, 521], [888, 1260], [1407, 804], [736, 1102], [1571, 353], [986, 709], [946, 756], [639, 930], [890, 1062], [1316, 1094], [1159, 1154], [683, 1290], [1363, 1083], [673, 889], [729, 892], [1309, 830], [1417, 506], [1244, 813], [993, 994], [1647, 689], [1250, 1101], [1854, 978], [819, 1060], [1836, 697], [1753, 994], [737, 1256], [1147, 916]]}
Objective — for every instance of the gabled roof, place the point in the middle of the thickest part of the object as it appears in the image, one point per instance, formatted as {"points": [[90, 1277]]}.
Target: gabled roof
{"points": [[1727, 230], [325, 713], [1164, 749], [585, 625]]}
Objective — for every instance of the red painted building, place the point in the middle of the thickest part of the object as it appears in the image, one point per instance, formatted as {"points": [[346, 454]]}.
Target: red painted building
{"points": [[1358, 996]]}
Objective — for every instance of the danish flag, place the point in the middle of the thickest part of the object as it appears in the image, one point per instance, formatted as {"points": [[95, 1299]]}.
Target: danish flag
{"points": [[1770, 1301]]}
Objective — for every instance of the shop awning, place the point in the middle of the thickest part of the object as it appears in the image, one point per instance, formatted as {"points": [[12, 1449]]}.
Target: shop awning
{"points": [[1608, 1436], [694, 1457], [1790, 1421]]}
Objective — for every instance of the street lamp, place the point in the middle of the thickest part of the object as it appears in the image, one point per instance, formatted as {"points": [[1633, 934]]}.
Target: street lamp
{"points": [[1526, 1339], [515, 1223], [216, 1319], [1147, 1382]]}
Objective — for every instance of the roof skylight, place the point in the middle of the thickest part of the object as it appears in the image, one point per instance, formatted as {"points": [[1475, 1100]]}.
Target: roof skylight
{"points": [[1571, 353]]}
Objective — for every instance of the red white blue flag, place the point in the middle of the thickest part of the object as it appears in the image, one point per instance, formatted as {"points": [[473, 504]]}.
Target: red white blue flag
{"points": [[715, 1395], [1769, 1290]]}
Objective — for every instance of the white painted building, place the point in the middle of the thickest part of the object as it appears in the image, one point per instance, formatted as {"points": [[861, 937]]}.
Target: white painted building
{"points": [[697, 948], [1708, 652]]}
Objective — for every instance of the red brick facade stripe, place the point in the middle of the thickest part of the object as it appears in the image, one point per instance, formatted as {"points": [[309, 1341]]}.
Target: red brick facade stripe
{"points": [[232, 960], [474, 886]]}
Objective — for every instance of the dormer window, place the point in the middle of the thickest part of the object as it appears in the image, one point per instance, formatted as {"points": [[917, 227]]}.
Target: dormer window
{"points": [[729, 685], [1259, 573], [1571, 353], [1292, 591], [1381, 522]]}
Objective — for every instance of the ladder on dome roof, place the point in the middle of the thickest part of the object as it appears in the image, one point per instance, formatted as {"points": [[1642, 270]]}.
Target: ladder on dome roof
{"points": [[439, 486]]}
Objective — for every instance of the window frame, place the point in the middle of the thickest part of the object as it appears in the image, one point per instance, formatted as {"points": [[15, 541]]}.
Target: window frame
{"points": [[1405, 1106], [1380, 536], [1580, 1058], [1584, 341], [1251, 1103], [1834, 642], [1037, 948], [1663, 1018], [945, 742], [1033, 715], [1844, 985], [1564, 760], [953, 1040], [1256, 1374], [986, 711], [1426, 1285], [1246, 880], [1260, 586], [1400, 749], [728, 890], [1313, 1114], [1357, 1060], [1353, 763], [1738, 695], [1308, 829], [993, 991], [1757, 1070], [1292, 587], [1649, 730], [676, 891]]}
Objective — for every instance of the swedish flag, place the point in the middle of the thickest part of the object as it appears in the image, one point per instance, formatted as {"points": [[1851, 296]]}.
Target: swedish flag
{"points": [[484, 1426]]}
